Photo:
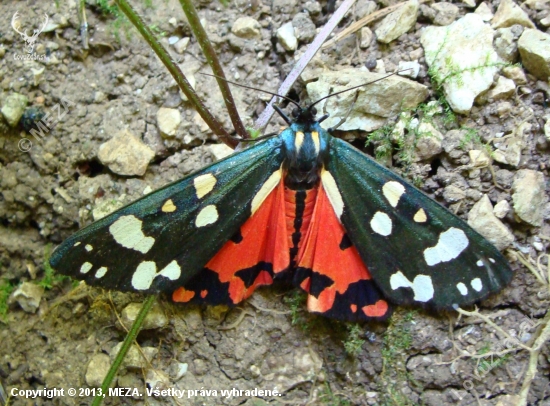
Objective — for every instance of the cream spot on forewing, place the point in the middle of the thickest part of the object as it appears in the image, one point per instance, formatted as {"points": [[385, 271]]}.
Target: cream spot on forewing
{"points": [[146, 272], [381, 224], [492, 260], [265, 190], [88, 247], [85, 268], [420, 216], [316, 142], [144, 275], [462, 288], [476, 284], [392, 191], [168, 206], [334, 196], [449, 246], [298, 140], [479, 263], [127, 232], [204, 184], [171, 271], [76, 244], [101, 272], [208, 215], [422, 285]]}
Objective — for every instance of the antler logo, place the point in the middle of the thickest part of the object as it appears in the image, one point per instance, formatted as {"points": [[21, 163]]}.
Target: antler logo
{"points": [[30, 40]]}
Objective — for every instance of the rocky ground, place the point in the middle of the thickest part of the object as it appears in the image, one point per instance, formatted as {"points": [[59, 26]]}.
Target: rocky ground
{"points": [[468, 123]]}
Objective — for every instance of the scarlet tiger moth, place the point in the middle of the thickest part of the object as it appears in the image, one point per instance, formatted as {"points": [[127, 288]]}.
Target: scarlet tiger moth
{"points": [[304, 206]]}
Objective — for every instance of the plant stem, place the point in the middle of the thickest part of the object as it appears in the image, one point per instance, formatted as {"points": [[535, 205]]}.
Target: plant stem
{"points": [[130, 337], [214, 62], [176, 72]]}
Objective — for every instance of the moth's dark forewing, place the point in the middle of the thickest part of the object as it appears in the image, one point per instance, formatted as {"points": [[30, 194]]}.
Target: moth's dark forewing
{"points": [[393, 241], [172, 217]]}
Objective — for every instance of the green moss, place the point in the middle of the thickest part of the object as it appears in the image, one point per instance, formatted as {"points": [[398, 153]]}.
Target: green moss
{"points": [[254, 133], [354, 342], [397, 340], [445, 70], [327, 397], [156, 30], [50, 278], [380, 139], [403, 136], [5, 291], [119, 23], [485, 365], [296, 301]]}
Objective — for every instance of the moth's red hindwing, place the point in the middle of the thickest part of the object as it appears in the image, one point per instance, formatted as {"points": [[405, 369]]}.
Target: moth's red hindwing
{"points": [[330, 269], [249, 259]]}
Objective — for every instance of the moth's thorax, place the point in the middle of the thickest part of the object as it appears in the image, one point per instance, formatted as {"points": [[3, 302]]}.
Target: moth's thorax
{"points": [[305, 154]]}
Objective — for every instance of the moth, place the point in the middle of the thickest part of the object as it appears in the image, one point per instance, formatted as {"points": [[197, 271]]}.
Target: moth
{"points": [[302, 206]]}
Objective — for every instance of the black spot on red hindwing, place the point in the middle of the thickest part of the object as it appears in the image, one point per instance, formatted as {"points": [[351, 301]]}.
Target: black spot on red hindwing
{"points": [[317, 281], [237, 237], [249, 275], [209, 281], [346, 242], [359, 294]]}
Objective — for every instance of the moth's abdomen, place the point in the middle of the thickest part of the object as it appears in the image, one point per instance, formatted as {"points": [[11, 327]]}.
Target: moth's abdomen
{"points": [[299, 205]]}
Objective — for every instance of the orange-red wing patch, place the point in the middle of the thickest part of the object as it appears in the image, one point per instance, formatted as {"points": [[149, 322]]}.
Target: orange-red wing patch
{"points": [[250, 259], [379, 309], [339, 283], [183, 295]]}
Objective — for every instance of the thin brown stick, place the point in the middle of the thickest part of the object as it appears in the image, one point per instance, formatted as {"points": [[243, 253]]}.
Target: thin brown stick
{"points": [[361, 23]]}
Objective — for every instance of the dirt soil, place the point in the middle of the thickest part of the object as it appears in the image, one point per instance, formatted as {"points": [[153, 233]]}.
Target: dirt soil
{"points": [[269, 342]]}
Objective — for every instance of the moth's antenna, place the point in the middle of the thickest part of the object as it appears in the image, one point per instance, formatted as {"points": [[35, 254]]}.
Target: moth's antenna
{"points": [[254, 88], [355, 87]]}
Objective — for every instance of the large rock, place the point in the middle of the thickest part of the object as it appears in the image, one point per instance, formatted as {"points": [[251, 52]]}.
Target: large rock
{"points": [[508, 151], [125, 154], [534, 48], [445, 13], [529, 196], [483, 220], [246, 27], [97, 370], [154, 319], [304, 29], [135, 358], [168, 120], [13, 108], [454, 52], [296, 366], [397, 23], [428, 144], [508, 14], [287, 37], [506, 43], [484, 12], [375, 101], [28, 296]]}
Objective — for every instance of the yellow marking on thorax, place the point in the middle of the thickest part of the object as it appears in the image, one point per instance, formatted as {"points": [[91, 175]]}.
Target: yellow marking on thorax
{"points": [[298, 140], [316, 142]]}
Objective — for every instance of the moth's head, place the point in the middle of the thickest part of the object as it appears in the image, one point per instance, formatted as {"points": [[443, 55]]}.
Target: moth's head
{"points": [[304, 115]]}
